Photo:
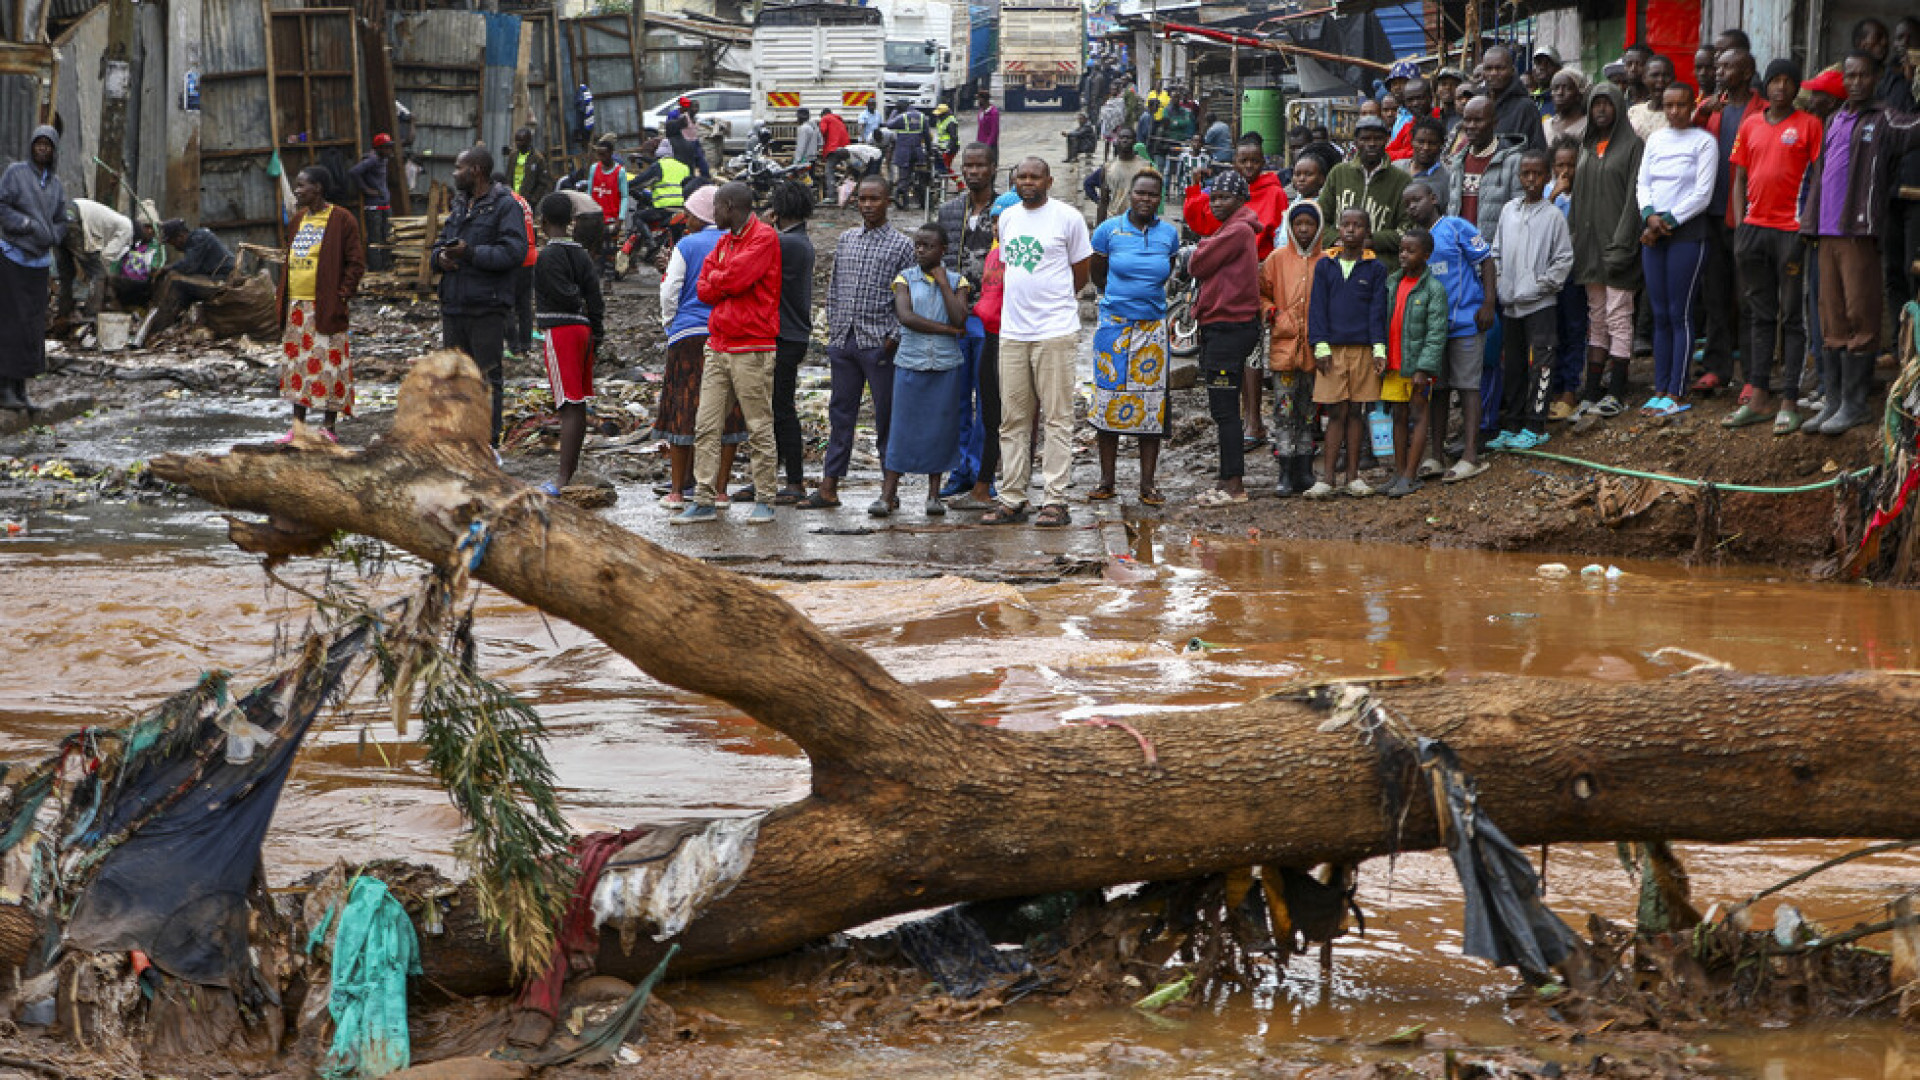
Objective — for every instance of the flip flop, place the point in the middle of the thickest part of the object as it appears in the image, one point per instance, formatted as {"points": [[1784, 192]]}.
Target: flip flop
{"points": [[1152, 497], [1100, 494], [816, 501], [1004, 515]]}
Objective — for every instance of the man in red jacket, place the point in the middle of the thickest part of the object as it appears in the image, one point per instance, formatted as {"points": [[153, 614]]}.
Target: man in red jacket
{"points": [[741, 281], [1268, 201]]}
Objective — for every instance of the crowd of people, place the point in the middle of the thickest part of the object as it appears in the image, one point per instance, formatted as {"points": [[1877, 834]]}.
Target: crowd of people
{"points": [[1505, 241]]}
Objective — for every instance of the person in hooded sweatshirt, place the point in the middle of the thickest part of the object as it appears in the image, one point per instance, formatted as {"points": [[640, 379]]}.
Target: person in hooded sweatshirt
{"points": [[1606, 248], [1267, 198], [1286, 287], [33, 222]]}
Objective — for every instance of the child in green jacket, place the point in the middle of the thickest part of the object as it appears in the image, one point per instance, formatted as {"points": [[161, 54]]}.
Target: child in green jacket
{"points": [[1416, 348]]}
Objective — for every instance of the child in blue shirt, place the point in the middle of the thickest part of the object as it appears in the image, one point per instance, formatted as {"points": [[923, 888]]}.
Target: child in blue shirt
{"points": [[930, 391], [1347, 325]]}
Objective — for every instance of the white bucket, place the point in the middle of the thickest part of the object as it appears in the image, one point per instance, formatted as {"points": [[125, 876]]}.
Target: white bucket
{"points": [[114, 329]]}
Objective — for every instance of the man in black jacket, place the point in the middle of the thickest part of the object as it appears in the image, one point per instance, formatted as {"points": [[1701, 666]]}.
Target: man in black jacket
{"points": [[1514, 113], [199, 274], [483, 241]]}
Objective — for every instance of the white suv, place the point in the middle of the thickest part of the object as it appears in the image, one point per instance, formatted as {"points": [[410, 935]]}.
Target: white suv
{"points": [[730, 103]]}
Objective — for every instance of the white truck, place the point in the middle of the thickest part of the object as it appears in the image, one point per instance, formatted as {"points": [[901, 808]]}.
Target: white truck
{"points": [[1042, 52], [926, 51], [816, 55]]}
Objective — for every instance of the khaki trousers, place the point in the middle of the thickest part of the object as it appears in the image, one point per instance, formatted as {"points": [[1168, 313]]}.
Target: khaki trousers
{"points": [[748, 378], [1036, 374]]}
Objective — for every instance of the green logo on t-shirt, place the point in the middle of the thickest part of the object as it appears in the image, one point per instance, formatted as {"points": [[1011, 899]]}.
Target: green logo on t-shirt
{"points": [[1023, 252]]}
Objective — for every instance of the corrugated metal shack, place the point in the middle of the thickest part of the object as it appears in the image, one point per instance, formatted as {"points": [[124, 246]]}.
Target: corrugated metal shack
{"points": [[227, 97]]}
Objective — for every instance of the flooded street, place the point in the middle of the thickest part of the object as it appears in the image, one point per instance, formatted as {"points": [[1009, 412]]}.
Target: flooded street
{"points": [[97, 625]]}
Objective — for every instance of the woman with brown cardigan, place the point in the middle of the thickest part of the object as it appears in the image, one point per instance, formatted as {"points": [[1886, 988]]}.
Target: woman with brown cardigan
{"points": [[324, 265]]}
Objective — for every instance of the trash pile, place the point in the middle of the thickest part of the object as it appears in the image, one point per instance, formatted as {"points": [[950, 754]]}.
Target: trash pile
{"points": [[1879, 526]]}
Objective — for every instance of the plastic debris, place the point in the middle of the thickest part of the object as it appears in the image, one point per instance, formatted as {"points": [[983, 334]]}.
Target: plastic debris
{"points": [[661, 881], [1166, 994], [1552, 570]]}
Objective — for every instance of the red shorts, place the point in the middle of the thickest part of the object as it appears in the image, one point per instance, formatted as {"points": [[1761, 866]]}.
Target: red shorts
{"points": [[570, 363]]}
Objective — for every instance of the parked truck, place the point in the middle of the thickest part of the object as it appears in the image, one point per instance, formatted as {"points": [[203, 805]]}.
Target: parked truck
{"points": [[927, 50], [983, 48], [816, 55], [1042, 50]]}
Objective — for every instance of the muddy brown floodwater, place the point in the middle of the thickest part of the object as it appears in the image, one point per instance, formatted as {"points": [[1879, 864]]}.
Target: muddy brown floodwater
{"points": [[88, 634]]}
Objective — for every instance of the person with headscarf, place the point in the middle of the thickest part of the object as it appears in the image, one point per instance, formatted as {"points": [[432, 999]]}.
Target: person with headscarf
{"points": [[1568, 91], [33, 222], [1226, 263]]}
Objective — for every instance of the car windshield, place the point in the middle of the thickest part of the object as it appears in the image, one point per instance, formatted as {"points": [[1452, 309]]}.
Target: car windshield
{"points": [[908, 56]]}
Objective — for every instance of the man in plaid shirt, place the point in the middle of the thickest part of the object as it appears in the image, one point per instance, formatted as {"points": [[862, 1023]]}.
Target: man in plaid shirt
{"points": [[862, 331]]}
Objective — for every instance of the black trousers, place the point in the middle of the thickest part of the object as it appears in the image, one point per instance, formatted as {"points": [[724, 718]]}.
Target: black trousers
{"points": [[1224, 348], [1720, 302], [786, 415], [990, 407], [1529, 349], [379, 236], [483, 337], [520, 327], [1773, 273]]}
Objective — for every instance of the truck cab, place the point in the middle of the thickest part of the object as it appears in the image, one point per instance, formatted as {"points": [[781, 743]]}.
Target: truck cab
{"points": [[916, 71]]}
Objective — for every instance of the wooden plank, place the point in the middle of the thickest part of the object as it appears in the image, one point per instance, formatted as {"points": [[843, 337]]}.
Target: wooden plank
{"points": [[182, 189], [436, 206]]}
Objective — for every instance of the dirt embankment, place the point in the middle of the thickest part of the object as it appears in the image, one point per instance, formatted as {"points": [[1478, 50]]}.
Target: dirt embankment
{"points": [[1534, 504]]}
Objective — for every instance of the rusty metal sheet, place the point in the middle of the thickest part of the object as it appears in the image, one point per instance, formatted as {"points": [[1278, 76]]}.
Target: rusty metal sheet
{"points": [[238, 199], [317, 92], [438, 67], [601, 51]]}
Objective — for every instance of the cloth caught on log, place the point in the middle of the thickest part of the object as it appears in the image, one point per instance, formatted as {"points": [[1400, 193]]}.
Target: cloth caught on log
{"points": [[578, 938], [163, 843], [598, 1044], [374, 951], [1506, 922], [956, 953], [663, 880]]}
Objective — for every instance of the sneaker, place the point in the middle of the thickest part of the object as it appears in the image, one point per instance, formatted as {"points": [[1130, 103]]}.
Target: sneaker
{"points": [[674, 502], [1502, 441], [1358, 488], [694, 515], [1320, 490], [762, 514], [1609, 407], [1526, 440], [1431, 468]]}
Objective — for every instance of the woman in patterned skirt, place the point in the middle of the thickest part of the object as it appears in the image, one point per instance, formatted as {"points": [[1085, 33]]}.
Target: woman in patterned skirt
{"points": [[324, 265], [1132, 260]]}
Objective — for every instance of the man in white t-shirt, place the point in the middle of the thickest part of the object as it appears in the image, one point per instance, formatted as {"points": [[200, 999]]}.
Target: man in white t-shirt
{"points": [[1047, 253]]}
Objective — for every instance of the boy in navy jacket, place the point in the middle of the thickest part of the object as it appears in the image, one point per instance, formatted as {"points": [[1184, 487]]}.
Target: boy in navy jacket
{"points": [[1347, 325]]}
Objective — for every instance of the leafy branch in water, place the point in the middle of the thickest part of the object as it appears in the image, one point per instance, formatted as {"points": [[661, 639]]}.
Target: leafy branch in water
{"points": [[483, 743], [485, 746]]}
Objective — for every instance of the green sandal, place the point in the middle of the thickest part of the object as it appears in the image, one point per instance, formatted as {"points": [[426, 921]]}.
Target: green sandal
{"points": [[1744, 416], [1786, 422]]}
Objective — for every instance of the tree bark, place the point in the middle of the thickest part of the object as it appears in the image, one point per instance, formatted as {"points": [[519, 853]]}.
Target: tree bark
{"points": [[910, 809]]}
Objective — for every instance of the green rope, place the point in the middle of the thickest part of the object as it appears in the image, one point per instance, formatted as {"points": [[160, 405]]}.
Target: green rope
{"points": [[1756, 489]]}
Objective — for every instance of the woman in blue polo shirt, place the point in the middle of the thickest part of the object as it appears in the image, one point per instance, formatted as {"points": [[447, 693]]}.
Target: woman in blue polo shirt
{"points": [[1132, 259]]}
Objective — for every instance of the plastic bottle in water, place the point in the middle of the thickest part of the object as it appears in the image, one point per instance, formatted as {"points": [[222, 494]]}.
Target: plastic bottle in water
{"points": [[1381, 425]]}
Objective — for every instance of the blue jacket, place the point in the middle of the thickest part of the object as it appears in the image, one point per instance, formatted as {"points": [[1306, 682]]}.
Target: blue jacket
{"points": [[496, 234], [691, 314], [1348, 310]]}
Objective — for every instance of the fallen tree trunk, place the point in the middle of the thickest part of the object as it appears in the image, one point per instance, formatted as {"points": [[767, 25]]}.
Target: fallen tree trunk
{"points": [[910, 810]]}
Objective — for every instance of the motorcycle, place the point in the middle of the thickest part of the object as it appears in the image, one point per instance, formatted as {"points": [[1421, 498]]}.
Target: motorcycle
{"points": [[757, 168], [1183, 330], [648, 234]]}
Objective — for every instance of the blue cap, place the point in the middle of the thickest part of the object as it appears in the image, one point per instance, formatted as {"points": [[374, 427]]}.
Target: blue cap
{"points": [[1402, 69], [1004, 201]]}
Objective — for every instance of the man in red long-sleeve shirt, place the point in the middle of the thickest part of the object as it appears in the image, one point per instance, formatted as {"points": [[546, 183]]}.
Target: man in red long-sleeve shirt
{"points": [[1268, 201], [741, 281]]}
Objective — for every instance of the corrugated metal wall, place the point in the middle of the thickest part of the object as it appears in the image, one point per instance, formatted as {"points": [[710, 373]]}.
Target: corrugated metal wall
{"points": [[238, 199], [437, 74], [502, 68], [317, 92], [77, 100], [601, 52]]}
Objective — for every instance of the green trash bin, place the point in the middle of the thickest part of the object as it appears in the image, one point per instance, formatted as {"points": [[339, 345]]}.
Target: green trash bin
{"points": [[1262, 109]]}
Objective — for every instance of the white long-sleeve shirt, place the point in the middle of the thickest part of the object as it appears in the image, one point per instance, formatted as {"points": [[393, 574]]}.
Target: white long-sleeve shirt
{"points": [[1677, 171], [670, 285], [104, 230]]}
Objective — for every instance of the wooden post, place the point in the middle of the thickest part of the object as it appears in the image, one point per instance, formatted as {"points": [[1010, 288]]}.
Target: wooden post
{"points": [[116, 79], [1233, 64], [1470, 37], [436, 205]]}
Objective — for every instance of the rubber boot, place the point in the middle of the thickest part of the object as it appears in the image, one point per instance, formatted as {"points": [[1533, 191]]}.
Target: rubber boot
{"points": [[13, 394], [1287, 488], [1303, 471], [1830, 367], [1856, 384]]}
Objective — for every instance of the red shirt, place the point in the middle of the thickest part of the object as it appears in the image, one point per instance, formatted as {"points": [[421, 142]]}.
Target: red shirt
{"points": [[1473, 168], [1265, 197], [1776, 157], [833, 134], [533, 245], [993, 288], [605, 189], [1400, 295]]}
